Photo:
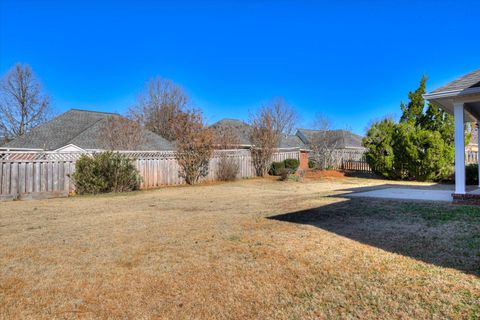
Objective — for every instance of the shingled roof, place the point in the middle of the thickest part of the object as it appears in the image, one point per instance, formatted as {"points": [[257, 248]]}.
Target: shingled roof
{"points": [[342, 139], [242, 131], [465, 89], [471, 80], [291, 141], [82, 128], [238, 128]]}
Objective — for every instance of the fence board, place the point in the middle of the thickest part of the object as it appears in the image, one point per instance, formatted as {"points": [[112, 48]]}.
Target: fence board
{"points": [[7, 178], [29, 178], [1, 176], [44, 177], [21, 178], [36, 176], [49, 176]]}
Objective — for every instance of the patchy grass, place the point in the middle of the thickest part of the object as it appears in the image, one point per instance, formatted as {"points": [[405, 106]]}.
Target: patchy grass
{"points": [[245, 250], [439, 212]]}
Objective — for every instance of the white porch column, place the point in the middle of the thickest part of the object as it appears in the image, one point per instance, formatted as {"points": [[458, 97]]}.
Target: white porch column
{"points": [[478, 150], [459, 149]]}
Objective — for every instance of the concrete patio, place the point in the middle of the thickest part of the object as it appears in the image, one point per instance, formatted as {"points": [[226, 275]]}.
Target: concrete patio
{"points": [[408, 193]]}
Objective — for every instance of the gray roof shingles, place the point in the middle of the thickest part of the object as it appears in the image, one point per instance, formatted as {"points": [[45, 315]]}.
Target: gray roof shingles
{"points": [[470, 80], [242, 131], [81, 128], [237, 127], [342, 138], [291, 141]]}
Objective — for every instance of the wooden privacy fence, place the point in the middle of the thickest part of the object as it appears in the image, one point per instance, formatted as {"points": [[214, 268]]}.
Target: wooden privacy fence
{"points": [[353, 165], [349, 159], [163, 169], [35, 178], [26, 175]]}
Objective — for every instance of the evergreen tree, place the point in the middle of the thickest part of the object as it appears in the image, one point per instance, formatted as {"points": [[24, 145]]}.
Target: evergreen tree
{"points": [[435, 119], [378, 142], [413, 111], [420, 146]]}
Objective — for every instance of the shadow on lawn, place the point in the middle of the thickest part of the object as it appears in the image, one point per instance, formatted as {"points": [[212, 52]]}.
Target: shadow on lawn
{"points": [[437, 233]]}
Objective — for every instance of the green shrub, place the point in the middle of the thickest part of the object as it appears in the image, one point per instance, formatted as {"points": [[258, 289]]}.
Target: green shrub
{"points": [[418, 147], [292, 165], [471, 174], [285, 174], [276, 168], [311, 164], [105, 172]]}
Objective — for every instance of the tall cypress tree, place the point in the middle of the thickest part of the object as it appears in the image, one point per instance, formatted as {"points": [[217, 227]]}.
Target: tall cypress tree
{"points": [[435, 119], [413, 111]]}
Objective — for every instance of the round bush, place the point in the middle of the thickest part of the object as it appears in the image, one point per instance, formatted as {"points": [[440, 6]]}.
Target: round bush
{"points": [[105, 172], [292, 165], [276, 168]]}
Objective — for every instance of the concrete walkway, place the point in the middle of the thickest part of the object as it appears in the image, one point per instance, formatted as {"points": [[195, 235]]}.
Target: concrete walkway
{"points": [[406, 194]]}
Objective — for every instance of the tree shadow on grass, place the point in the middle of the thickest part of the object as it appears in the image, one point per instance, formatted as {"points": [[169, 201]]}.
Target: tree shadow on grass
{"points": [[442, 234]]}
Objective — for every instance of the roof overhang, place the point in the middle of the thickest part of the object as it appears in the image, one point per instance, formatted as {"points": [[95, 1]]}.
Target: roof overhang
{"points": [[470, 97]]}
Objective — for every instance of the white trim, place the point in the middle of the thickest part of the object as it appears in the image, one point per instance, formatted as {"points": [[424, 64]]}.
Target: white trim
{"points": [[69, 148], [8, 149], [451, 93]]}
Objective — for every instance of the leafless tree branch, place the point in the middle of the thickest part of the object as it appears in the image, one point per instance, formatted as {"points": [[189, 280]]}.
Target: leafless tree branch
{"points": [[324, 142], [159, 105], [23, 105], [194, 142], [265, 139], [121, 134], [284, 116]]}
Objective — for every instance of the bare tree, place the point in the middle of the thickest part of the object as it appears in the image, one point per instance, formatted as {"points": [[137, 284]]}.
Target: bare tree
{"points": [[265, 139], [324, 142], [194, 142], [228, 166], [159, 105], [23, 105], [121, 134], [284, 115], [268, 124], [225, 139]]}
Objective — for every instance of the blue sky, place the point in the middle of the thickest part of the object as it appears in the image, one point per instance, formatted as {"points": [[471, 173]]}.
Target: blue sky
{"points": [[353, 61]]}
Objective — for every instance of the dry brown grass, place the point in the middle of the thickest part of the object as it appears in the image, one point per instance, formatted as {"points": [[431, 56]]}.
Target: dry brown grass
{"points": [[210, 252]]}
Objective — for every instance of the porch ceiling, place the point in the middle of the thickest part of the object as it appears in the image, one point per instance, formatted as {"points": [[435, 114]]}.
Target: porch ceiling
{"points": [[465, 90]]}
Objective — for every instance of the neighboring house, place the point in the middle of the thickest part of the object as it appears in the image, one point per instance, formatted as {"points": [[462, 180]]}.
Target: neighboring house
{"points": [[337, 139], [237, 128], [79, 130], [241, 131]]}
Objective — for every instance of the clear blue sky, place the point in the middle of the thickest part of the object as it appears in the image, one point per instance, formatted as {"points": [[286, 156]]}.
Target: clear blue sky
{"points": [[353, 61]]}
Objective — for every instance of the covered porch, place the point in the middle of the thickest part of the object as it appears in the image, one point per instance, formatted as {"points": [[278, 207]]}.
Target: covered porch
{"points": [[461, 98]]}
